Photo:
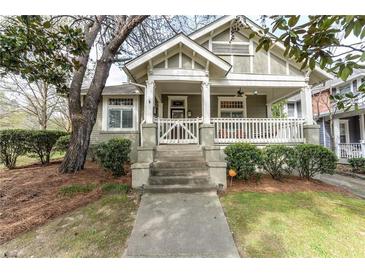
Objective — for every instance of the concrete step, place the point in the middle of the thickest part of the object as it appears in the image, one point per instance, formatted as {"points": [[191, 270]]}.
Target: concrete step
{"points": [[180, 159], [191, 188], [179, 164], [180, 153], [178, 148], [191, 171], [178, 180]]}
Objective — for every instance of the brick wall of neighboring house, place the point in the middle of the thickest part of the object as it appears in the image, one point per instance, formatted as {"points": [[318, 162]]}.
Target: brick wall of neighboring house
{"points": [[320, 102]]}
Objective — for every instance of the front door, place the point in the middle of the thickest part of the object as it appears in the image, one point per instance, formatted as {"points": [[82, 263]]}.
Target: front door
{"points": [[177, 113]]}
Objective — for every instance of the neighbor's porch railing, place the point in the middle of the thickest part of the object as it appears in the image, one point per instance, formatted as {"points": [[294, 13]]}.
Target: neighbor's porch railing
{"points": [[258, 130], [351, 150]]}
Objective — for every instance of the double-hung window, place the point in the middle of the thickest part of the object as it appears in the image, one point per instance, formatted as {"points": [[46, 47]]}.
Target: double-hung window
{"points": [[120, 113]]}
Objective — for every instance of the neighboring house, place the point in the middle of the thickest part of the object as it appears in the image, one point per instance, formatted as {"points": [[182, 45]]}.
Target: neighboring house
{"points": [[209, 89], [348, 127], [293, 107]]}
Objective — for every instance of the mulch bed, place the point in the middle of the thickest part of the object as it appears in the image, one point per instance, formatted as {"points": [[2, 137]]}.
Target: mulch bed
{"points": [[290, 184], [29, 196]]}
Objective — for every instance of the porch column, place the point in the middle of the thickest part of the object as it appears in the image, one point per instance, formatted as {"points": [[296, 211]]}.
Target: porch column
{"points": [[149, 101], [362, 126], [306, 101], [336, 135], [206, 102], [269, 110]]}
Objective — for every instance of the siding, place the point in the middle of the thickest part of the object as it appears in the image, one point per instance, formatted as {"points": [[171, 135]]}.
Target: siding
{"points": [[256, 106], [354, 129]]}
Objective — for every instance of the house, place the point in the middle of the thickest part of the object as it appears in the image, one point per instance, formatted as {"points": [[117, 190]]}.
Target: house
{"points": [[192, 95], [347, 128]]}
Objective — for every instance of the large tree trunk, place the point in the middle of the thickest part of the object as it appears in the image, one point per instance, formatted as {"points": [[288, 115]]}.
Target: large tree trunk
{"points": [[83, 118]]}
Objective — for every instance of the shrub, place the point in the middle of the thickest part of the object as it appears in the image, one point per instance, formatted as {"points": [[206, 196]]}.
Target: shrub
{"points": [[41, 143], [357, 164], [314, 159], [113, 154], [278, 160], [244, 158], [114, 188], [73, 189], [62, 143], [12, 145]]}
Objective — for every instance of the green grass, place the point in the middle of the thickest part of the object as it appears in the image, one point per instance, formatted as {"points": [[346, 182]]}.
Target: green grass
{"points": [[99, 229], [114, 188], [298, 224], [74, 189], [25, 160]]}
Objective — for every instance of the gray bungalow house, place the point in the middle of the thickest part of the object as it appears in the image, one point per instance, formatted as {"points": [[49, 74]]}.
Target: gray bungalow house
{"points": [[190, 96]]}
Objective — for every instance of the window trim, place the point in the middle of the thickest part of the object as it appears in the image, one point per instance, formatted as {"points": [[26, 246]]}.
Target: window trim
{"points": [[169, 107], [105, 113], [231, 98]]}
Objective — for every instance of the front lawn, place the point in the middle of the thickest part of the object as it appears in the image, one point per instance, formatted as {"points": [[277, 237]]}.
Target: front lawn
{"points": [[99, 229], [296, 223]]}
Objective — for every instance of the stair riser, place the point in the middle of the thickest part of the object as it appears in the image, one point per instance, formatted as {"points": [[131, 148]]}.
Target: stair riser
{"points": [[174, 164], [192, 154], [180, 190], [177, 181], [179, 159], [179, 172], [178, 148]]}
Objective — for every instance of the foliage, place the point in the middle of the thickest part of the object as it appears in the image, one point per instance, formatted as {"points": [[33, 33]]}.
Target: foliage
{"points": [[114, 188], [314, 159], [113, 154], [318, 40], [12, 145], [244, 158], [278, 160], [278, 109], [41, 143], [62, 143], [357, 164], [38, 48], [74, 189]]}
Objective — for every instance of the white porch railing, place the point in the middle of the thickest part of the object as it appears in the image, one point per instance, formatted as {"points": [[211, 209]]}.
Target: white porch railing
{"points": [[258, 130], [351, 150], [178, 131]]}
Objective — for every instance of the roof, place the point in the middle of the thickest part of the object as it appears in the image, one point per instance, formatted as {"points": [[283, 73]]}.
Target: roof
{"points": [[124, 89], [178, 39]]}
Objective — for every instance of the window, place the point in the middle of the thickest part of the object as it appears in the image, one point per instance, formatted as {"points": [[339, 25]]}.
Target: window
{"points": [[344, 131], [291, 110], [344, 89], [354, 86], [120, 113], [231, 107]]}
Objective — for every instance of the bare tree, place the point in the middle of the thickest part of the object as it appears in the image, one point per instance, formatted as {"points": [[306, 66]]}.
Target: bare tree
{"points": [[37, 99]]}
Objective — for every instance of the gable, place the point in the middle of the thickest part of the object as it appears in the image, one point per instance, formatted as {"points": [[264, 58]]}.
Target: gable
{"points": [[177, 52]]}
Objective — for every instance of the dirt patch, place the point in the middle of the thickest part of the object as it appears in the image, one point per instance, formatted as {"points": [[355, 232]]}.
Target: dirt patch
{"points": [[29, 196], [291, 184]]}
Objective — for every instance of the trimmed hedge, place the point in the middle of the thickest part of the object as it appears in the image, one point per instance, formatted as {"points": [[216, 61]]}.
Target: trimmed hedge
{"points": [[244, 158], [62, 143], [314, 159], [41, 143], [12, 145], [113, 154], [357, 164], [278, 160], [16, 142]]}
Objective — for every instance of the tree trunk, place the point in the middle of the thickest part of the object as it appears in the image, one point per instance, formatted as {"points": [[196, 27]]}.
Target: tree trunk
{"points": [[83, 118]]}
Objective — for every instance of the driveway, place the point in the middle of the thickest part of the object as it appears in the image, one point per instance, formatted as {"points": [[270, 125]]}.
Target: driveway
{"points": [[181, 225]]}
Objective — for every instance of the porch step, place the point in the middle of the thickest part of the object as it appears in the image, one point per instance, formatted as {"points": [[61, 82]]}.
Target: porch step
{"points": [[190, 171], [182, 147], [180, 188], [179, 180], [180, 153], [179, 164]]}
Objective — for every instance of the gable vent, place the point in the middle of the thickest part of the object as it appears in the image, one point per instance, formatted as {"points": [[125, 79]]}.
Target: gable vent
{"points": [[231, 49]]}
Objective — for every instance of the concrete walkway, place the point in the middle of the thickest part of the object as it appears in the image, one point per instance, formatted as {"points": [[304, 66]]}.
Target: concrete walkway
{"points": [[355, 185], [181, 225]]}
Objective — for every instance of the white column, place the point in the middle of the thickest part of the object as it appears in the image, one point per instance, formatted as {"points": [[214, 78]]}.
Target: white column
{"points": [[206, 102], [362, 126], [336, 135], [306, 102], [269, 110], [149, 101]]}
